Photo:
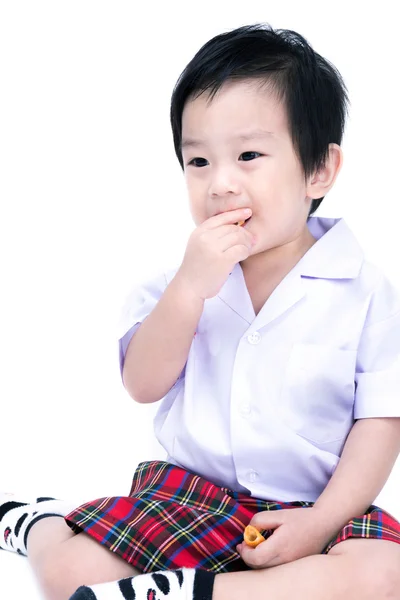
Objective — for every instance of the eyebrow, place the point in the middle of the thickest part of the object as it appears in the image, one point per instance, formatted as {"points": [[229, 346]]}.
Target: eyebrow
{"points": [[243, 137]]}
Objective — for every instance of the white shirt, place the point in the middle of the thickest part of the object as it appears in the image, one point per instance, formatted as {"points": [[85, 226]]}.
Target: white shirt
{"points": [[265, 403]]}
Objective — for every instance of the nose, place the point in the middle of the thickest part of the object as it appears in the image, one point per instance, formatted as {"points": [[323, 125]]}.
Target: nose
{"points": [[223, 182]]}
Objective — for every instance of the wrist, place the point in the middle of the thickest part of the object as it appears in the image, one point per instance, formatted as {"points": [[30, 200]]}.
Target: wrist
{"points": [[185, 292], [326, 521]]}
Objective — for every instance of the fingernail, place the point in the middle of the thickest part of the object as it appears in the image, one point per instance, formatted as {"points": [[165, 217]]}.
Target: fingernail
{"points": [[247, 211]]}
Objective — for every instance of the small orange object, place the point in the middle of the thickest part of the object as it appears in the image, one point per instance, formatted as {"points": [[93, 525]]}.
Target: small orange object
{"points": [[252, 536], [241, 223]]}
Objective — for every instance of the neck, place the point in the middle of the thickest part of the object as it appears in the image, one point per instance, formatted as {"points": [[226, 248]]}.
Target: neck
{"points": [[277, 262]]}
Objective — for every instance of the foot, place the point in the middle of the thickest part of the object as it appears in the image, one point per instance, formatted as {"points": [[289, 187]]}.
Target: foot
{"points": [[183, 584], [17, 518]]}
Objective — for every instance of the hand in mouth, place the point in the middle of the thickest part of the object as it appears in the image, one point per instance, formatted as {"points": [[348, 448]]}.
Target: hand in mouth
{"points": [[243, 223]]}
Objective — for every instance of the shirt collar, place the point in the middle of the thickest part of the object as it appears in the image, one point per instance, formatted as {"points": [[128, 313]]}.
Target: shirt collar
{"points": [[335, 255]]}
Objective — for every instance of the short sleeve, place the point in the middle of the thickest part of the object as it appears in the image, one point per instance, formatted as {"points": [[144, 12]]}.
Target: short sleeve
{"points": [[378, 358], [138, 305]]}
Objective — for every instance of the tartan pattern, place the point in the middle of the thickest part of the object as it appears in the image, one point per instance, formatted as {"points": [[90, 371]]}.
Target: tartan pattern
{"points": [[173, 519]]}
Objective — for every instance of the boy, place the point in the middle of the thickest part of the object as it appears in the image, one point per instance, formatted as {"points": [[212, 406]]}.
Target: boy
{"points": [[267, 396]]}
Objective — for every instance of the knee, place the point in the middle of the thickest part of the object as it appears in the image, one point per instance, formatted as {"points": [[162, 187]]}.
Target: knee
{"points": [[378, 578], [390, 578]]}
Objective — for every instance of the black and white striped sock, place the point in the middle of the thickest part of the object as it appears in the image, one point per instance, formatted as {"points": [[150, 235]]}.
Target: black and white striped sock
{"points": [[183, 584], [17, 518]]}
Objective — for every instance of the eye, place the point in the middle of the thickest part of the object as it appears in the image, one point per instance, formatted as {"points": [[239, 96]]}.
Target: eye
{"points": [[195, 161], [249, 156]]}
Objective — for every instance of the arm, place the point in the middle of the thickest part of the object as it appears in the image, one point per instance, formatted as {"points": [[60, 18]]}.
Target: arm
{"points": [[368, 456], [367, 459], [159, 349]]}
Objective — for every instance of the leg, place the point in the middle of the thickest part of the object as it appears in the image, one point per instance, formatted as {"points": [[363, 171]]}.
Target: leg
{"points": [[18, 517], [357, 569], [63, 560], [45, 536]]}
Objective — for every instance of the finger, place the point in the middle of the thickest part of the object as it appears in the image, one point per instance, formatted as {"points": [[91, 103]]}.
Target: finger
{"points": [[267, 519], [235, 238], [251, 557], [230, 217], [274, 562], [265, 554]]}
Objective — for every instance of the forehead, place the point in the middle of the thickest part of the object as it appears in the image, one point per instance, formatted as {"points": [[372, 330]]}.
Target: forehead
{"points": [[237, 107]]}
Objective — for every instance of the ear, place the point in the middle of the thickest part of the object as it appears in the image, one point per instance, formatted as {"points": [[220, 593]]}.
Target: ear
{"points": [[321, 181]]}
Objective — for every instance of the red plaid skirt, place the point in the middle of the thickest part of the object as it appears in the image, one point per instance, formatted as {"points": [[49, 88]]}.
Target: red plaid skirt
{"points": [[173, 519]]}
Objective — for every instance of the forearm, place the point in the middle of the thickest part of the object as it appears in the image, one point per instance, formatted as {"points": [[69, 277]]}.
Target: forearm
{"points": [[159, 349], [368, 456]]}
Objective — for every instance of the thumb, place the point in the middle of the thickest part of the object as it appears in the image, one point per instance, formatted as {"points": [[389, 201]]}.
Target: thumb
{"points": [[267, 519]]}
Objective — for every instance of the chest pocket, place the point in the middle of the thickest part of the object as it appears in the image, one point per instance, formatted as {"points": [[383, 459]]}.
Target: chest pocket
{"points": [[317, 396]]}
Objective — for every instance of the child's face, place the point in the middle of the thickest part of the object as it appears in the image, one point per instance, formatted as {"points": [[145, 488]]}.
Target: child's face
{"points": [[224, 172]]}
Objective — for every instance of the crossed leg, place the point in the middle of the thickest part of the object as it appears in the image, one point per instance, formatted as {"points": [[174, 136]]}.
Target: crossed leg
{"points": [[63, 560], [357, 569]]}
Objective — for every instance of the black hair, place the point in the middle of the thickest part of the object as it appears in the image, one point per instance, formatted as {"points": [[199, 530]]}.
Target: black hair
{"points": [[311, 88]]}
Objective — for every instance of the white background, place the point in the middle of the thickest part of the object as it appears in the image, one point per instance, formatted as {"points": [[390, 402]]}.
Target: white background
{"points": [[93, 201]]}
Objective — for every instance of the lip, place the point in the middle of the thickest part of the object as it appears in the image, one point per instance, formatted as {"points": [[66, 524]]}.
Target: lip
{"points": [[220, 212]]}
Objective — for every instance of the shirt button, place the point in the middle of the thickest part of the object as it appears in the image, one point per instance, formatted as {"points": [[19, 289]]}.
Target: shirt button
{"points": [[245, 409], [252, 476], [254, 338]]}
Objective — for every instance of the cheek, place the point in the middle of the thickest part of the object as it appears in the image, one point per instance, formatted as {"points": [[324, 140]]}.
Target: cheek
{"points": [[288, 189], [195, 183], [197, 215], [196, 204]]}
